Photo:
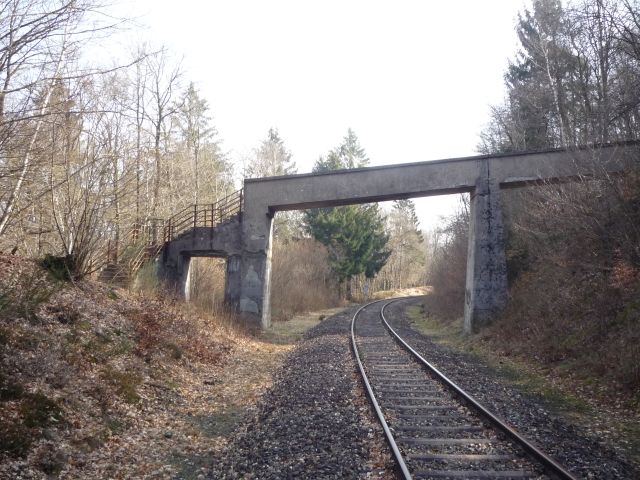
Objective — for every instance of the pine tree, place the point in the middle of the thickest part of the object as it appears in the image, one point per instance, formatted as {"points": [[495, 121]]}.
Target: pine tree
{"points": [[354, 235], [271, 159], [196, 131]]}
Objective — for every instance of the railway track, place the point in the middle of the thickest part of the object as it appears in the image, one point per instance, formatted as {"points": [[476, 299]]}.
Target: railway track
{"points": [[434, 428]]}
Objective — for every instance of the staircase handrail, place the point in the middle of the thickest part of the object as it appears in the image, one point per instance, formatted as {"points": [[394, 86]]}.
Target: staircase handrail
{"points": [[204, 215], [154, 233]]}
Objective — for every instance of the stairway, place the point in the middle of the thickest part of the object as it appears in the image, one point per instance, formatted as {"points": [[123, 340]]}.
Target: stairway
{"points": [[144, 241], [114, 274], [122, 272]]}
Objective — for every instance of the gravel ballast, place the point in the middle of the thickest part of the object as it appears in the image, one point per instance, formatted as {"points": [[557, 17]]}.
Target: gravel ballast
{"points": [[314, 422], [581, 452]]}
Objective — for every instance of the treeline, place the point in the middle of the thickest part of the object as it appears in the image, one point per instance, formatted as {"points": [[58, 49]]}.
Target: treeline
{"points": [[573, 250], [89, 150], [574, 80]]}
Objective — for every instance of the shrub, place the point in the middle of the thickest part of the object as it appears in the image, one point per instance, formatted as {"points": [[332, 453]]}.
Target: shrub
{"points": [[125, 384], [301, 279], [9, 390], [60, 268], [38, 410], [15, 439]]}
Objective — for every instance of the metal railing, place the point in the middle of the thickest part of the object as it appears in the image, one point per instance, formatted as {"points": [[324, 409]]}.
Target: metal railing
{"points": [[147, 238], [203, 215]]}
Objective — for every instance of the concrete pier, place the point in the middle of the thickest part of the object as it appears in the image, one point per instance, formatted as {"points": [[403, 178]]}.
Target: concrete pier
{"points": [[486, 285]]}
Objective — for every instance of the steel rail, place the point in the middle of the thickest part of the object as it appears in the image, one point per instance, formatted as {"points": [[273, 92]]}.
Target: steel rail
{"points": [[535, 452], [392, 443]]}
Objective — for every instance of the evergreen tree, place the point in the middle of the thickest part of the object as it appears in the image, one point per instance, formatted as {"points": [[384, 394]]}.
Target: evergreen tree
{"points": [[573, 81], [405, 267], [355, 234], [271, 159], [196, 131], [348, 155]]}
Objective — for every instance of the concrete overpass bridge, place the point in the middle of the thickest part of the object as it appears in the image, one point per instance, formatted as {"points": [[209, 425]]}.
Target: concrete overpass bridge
{"points": [[245, 237]]}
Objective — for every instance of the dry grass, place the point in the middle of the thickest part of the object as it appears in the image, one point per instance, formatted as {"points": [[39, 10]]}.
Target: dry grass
{"points": [[91, 374], [292, 330], [591, 404], [401, 292]]}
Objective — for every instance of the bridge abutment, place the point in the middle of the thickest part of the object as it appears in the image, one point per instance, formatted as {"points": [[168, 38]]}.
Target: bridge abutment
{"points": [[221, 241], [255, 265], [486, 285]]}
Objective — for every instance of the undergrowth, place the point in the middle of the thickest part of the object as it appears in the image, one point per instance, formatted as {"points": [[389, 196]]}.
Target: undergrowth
{"points": [[78, 360]]}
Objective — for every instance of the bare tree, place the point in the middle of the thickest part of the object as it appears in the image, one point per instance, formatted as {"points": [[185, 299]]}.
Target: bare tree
{"points": [[38, 40], [163, 90]]}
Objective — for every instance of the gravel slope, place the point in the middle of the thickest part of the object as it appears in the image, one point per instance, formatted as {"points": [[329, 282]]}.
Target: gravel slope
{"points": [[574, 448], [314, 421]]}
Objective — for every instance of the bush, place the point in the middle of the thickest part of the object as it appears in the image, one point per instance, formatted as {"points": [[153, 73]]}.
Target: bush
{"points": [[38, 410], [60, 268], [125, 384], [15, 439], [9, 390], [575, 253]]}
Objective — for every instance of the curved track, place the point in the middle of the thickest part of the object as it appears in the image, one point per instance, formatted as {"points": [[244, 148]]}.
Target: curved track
{"points": [[434, 428]]}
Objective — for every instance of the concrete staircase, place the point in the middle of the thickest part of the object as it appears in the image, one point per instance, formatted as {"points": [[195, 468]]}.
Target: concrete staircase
{"points": [[122, 272], [119, 264], [114, 274]]}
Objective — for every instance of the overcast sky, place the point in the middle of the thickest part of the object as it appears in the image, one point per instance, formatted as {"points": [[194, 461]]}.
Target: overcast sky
{"points": [[413, 79]]}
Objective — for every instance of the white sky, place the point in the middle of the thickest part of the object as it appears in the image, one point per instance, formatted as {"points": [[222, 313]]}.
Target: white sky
{"points": [[413, 79]]}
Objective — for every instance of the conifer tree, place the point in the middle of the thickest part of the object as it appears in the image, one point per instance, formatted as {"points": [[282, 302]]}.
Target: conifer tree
{"points": [[354, 235], [271, 158]]}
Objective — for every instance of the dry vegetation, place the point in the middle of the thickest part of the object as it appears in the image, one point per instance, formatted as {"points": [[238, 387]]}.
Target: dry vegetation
{"points": [[100, 383], [574, 264], [573, 261], [301, 279]]}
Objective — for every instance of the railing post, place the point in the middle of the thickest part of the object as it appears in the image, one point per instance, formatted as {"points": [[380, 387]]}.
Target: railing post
{"points": [[152, 233], [195, 216]]}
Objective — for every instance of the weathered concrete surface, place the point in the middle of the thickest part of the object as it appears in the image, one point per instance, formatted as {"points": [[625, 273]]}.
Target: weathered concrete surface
{"points": [[224, 241], [255, 295], [392, 182], [486, 284], [481, 175]]}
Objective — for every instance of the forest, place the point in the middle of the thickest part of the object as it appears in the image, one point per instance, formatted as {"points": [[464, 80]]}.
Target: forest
{"points": [[93, 154]]}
